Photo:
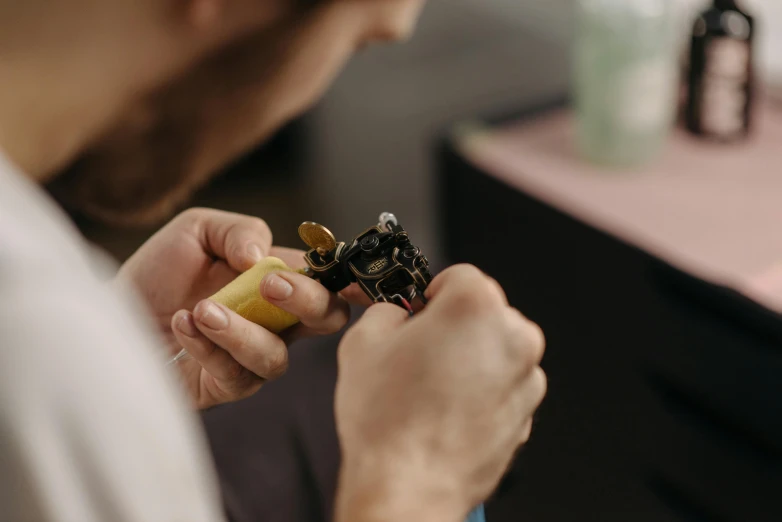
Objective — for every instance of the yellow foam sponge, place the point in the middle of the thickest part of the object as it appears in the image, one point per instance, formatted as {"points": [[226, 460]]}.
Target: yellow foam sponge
{"points": [[243, 296]]}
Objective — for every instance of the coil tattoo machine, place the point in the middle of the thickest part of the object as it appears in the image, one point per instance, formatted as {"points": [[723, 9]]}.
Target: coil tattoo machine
{"points": [[387, 266], [382, 261]]}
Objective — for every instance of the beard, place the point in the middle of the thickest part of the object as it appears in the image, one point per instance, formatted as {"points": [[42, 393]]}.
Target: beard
{"points": [[173, 141], [112, 184]]}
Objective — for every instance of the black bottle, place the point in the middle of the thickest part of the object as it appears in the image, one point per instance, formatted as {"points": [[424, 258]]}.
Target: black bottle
{"points": [[720, 94]]}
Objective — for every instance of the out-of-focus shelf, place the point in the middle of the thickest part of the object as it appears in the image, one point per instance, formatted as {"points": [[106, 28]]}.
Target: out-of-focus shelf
{"points": [[711, 209], [663, 399]]}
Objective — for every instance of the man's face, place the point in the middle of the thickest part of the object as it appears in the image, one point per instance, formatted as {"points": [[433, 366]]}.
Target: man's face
{"points": [[181, 135]]}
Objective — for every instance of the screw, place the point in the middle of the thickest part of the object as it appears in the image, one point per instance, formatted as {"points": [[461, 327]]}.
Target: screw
{"points": [[411, 251], [369, 242]]}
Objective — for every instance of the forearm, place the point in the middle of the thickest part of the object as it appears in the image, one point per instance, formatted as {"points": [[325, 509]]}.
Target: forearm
{"points": [[371, 495]]}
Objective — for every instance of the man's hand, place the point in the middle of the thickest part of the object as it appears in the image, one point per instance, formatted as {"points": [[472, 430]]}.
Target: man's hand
{"points": [[430, 410], [193, 257]]}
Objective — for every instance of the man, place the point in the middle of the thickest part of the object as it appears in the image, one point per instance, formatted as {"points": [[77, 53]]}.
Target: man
{"points": [[94, 425]]}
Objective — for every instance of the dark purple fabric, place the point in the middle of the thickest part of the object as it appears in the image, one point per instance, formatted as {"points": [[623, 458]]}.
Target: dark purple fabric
{"points": [[277, 453]]}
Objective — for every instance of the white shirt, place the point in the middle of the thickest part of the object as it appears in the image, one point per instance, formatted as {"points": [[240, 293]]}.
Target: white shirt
{"points": [[92, 425]]}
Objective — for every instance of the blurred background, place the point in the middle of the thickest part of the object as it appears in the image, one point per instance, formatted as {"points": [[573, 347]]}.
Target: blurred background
{"points": [[378, 122], [647, 249]]}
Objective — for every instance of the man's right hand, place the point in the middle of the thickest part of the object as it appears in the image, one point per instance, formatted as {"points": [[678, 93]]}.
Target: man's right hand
{"points": [[430, 410]]}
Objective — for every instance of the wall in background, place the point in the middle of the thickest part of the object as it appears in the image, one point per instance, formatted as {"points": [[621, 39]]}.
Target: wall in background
{"points": [[554, 19]]}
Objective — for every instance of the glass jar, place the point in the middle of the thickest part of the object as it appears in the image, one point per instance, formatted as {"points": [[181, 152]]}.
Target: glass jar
{"points": [[625, 79]]}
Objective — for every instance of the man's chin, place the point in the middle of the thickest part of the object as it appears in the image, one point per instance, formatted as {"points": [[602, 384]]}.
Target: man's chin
{"points": [[127, 218], [117, 203]]}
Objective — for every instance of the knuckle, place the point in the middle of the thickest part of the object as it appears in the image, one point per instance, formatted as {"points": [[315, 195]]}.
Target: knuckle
{"points": [[342, 315], [539, 384], [526, 432], [233, 370], [337, 318], [499, 289], [527, 340], [311, 303], [474, 297], [193, 214], [531, 342], [207, 348], [243, 341], [468, 272], [237, 251], [276, 363], [537, 340], [527, 359], [260, 226], [456, 272]]}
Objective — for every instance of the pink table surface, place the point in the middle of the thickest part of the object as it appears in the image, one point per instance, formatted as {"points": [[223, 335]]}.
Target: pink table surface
{"points": [[713, 210]]}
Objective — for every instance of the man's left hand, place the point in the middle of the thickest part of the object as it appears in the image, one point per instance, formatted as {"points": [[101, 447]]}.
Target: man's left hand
{"points": [[193, 257]]}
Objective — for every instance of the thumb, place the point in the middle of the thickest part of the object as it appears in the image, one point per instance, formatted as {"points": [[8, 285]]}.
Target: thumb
{"points": [[242, 241]]}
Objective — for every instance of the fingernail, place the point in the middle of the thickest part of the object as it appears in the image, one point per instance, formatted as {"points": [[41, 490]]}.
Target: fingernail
{"points": [[185, 324], [213, 317], [254, 253], [277, 288]]}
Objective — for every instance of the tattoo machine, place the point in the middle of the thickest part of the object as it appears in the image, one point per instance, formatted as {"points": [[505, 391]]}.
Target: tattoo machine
{"points": [[381, 260]]}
